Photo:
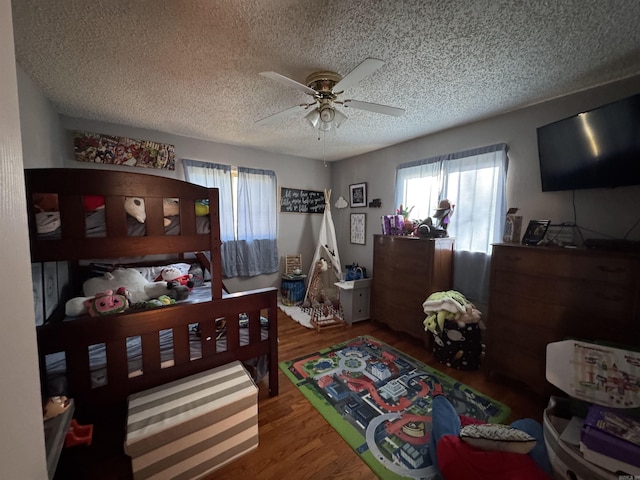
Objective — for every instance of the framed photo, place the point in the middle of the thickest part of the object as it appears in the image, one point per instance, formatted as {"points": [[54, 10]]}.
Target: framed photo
{"points": [[358, 195], [358, 228], [535, 232]]}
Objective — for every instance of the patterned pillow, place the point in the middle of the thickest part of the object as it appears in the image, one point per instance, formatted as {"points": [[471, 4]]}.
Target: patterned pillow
{"points": [[491, 436]]}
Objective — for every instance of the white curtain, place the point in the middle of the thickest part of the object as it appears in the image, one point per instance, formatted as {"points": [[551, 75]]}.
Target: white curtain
{"points": [[249, 239], [256, 250], [213, 175], [475, 182]]}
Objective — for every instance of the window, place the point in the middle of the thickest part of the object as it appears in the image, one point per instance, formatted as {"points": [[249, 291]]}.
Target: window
{"points": [[248, 215], [475, 182]]}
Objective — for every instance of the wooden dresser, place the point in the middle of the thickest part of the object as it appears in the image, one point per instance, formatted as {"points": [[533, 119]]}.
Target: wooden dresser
{"points": [[539, 295], [406, 270]]}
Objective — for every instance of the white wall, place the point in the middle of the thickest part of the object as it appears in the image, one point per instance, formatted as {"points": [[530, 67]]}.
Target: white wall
{"points": [[611, 211], [297, 233], [22, 452]]}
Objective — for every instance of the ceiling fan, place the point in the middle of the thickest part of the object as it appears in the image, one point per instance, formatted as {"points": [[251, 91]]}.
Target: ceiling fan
{"points": [[324, 88]]}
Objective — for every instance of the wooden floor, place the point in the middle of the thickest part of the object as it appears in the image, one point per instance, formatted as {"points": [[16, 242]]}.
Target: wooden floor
{"points": [[296, 442]]}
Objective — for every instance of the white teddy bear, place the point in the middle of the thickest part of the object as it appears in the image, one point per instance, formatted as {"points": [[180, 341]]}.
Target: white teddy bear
{"points": [[139, 288]]}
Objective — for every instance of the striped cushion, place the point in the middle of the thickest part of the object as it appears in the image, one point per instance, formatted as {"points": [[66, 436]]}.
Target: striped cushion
{"points": [[190, 427]]}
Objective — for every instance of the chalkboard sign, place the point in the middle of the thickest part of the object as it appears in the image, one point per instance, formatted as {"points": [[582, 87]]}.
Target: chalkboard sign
{"points": [[295, 200]]}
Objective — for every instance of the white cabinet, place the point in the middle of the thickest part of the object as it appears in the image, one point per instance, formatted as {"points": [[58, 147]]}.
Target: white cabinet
{"points": [[354, 299]]}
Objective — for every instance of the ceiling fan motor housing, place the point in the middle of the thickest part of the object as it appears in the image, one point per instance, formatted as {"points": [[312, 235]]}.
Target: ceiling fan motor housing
{"points": [[323, 83]]}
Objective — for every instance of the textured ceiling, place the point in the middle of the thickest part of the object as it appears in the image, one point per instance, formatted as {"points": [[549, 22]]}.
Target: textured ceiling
{"points": [[192, 67]]}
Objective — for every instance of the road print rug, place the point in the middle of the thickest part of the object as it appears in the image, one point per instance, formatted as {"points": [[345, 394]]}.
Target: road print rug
{"points": [[379, 400]]}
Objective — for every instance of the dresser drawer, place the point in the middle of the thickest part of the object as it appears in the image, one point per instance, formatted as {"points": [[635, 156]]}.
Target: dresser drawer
{"points": [[594, 298], [540, 295], [556, 263], [519, 353]]}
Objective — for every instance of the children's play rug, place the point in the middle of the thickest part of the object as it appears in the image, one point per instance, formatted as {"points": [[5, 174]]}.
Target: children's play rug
{"points": [[379, 400]]}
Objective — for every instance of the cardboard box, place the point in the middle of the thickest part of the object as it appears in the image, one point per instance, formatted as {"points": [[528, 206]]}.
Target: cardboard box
{"points": [[193, 426], [392, 225], [512, 226]]}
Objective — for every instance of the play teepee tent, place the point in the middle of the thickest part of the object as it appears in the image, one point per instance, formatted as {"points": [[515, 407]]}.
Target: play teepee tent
{"points": [[327, 250]]}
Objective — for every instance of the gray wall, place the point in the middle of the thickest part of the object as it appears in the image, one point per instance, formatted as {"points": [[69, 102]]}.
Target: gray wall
{"points": [[42, 134], [297, 233], [611, 211]]}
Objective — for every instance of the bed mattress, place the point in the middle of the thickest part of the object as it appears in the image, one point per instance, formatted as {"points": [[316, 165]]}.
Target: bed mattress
{"points": [[193, 426]]}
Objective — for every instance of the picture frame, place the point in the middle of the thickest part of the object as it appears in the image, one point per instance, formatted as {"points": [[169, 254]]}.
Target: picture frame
{"points": [[535, 232], [358, 228], [358, 194]]}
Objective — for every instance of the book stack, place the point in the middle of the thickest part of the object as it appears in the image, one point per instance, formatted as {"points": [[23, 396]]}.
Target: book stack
{"points": [[610, 438]]}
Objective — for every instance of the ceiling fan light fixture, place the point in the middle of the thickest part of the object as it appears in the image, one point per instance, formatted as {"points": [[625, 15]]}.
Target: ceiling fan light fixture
{"points": [[327, 113], [313, 117], [339, 118], [325, 126], [325, 118]]}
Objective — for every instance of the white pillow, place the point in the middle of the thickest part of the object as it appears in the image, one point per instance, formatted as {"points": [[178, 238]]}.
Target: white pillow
{"points": [[493, 436]]}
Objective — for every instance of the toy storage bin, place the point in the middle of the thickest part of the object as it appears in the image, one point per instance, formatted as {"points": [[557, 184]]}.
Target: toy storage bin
{"points": [[566, 460], [193, 426], [292, 289], [459, 347]]}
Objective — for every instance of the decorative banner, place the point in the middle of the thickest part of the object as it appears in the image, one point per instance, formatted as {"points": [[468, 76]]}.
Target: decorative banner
{"points": [[98, 148]]}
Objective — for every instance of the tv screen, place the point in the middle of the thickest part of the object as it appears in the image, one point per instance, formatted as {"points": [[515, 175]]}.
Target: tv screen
{"points": [[599, 148]]}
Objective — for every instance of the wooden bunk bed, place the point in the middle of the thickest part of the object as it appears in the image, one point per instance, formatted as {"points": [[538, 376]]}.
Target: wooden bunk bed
{"points": [[249, 318]]}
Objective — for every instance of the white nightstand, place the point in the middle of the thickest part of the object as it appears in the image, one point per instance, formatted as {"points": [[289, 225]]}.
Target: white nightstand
{"points": [[354, 298]]}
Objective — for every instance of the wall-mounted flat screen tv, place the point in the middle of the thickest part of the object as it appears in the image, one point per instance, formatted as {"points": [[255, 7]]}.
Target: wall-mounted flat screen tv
{"points": [[599, 148]]}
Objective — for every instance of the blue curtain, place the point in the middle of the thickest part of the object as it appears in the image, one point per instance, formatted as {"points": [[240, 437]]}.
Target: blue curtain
{"points": [[249, 238]]}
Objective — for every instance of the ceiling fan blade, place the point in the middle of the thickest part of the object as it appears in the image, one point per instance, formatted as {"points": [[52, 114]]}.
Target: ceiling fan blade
{"points": [[374, 107], [367, 67], [288, 82], [279, 115]]}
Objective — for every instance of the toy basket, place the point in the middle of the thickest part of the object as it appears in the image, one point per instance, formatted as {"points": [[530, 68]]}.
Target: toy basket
{"points": [[458, 347]]}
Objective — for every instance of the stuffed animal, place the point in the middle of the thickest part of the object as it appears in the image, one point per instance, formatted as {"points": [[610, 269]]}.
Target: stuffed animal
{"points": [[54, 406], [173, 293], [129, 282], [91, 203], [172, 274], [139, 287], [202, 209], [135, 207], [170, 207], [161, 301], [177, 291], [106, 303], [45, 202]]}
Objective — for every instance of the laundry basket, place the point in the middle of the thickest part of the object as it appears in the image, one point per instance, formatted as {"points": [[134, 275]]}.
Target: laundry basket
{"points": [[457, 346]]}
